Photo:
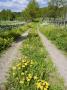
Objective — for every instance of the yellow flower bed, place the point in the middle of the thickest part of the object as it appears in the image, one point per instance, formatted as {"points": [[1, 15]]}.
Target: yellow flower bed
{"points": [[23, 76]]}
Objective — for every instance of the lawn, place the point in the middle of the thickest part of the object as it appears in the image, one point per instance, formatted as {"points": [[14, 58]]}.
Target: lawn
{"points": [[34, 70]]}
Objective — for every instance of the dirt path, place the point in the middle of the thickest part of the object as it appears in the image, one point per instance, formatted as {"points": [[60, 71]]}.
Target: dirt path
{"points": [[58, 58], [8, 57]]}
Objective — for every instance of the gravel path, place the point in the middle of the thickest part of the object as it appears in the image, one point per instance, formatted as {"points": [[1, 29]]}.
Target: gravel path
{"points": [[58, 58], [8, 57]]}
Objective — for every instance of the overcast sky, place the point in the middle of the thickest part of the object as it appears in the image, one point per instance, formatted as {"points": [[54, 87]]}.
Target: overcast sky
{"points": [[19, 5]]}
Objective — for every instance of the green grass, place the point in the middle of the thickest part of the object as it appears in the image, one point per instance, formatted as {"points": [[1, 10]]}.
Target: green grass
{"points": [[42, 67], [9, 36], [56, 34]]}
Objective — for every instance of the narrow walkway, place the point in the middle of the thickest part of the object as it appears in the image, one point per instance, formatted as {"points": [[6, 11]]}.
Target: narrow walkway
{"points": [[8, 57], [58, 58]]}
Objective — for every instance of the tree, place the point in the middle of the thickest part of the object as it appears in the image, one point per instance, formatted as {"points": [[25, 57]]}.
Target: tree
{"points": [[32, 10], [7, 15], [58, 8]]}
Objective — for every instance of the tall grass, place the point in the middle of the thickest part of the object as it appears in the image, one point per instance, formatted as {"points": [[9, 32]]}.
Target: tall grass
{"points": [[56, 34]]}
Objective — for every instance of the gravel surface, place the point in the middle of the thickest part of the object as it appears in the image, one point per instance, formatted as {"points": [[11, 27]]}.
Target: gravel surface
{"points": [[58, 58]]}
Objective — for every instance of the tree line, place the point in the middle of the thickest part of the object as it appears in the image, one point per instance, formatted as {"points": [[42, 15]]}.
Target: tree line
{"points": [[55, 9], [9, 15]]}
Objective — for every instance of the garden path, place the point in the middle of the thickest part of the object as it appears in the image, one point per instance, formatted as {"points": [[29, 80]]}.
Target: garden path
{"points": [[59, 60], [9, 56]]}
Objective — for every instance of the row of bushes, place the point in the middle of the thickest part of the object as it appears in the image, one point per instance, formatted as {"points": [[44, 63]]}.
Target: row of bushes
{"points": [[57, 34], [35, 70], [8, 36]]}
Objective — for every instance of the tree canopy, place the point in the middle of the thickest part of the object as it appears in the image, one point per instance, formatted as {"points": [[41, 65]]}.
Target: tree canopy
{"points": [[32, 10], [55, 9]]}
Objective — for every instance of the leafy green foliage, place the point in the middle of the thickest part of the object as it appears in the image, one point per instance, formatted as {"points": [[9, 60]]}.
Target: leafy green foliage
{"points": [[8, 36], [9, 15], [32, 10], [4, 43]]}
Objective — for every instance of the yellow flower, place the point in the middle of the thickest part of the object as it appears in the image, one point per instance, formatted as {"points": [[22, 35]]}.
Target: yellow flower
{"points": [[47, 85], [38, 85], [23, 61], [25, 64], [45, 88], [30, 76], [28, 61], [35, 77], [28, 79], [19, 67], [41, 84], [19, 64], [14, 68], [42, 81], [41, 87]]}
